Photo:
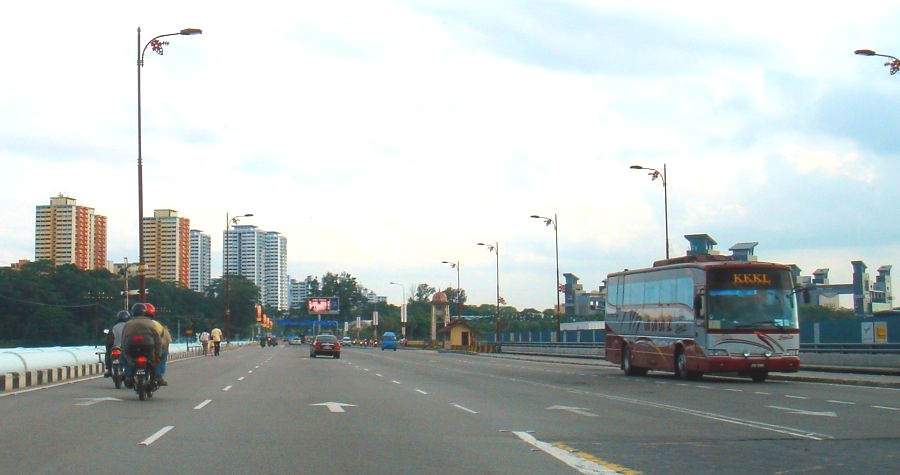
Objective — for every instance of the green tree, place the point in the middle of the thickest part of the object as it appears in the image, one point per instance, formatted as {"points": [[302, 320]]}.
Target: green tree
{"points": [[423, 293]]}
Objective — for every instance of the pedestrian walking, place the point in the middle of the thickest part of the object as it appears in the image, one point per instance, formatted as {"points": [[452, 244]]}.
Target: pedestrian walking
{"points": [[216, 336], [204, 342]]}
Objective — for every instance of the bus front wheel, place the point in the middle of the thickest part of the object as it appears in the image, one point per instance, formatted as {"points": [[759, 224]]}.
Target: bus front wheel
{"points": [[681, 370]]}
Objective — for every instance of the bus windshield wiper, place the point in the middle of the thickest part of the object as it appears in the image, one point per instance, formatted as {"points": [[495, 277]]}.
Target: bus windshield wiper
{"points": [[760, 322]]}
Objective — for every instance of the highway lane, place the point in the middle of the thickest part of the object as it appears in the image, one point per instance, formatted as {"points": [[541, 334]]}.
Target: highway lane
{"points": [[658, 424], [254, 410], [258, 410]]}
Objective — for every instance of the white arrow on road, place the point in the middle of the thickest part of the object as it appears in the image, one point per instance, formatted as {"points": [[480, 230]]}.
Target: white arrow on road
{"points": [[575, 410], [90, 401], [805, 413], [334, 406]]}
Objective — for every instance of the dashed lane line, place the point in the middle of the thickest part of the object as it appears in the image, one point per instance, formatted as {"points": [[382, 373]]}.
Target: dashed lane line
{"points": [[202, 404], [463, 408], [157, 435]]}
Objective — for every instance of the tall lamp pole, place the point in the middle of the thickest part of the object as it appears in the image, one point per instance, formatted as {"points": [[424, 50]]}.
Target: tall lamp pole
{"points": [[157, 48], [654, 174], [229, 221], [893, 64], [495, 248], [553, 221], [402, 309], [455, 265]]}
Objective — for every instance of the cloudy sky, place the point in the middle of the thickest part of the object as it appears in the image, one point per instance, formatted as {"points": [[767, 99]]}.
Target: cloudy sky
{"points": [[383, 137]]}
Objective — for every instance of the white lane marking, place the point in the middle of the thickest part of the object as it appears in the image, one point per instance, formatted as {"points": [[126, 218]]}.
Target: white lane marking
{"points": [[575, 410], [464, 408], [395, 381], [226, 388], [334, 406], [250, 372], [421, 392], [703, 387], [840, 402], [735, 390], [241, 378], [804, 412], [379, 375], [203, 404], [256, 367], [365, 369], [795, 397], [157, 435], [578, 463], [90, 401], [762, 393], [887, 408]]}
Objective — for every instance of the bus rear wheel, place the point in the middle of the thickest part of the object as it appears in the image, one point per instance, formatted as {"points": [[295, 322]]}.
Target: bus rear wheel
{"points": [[628, 367]]}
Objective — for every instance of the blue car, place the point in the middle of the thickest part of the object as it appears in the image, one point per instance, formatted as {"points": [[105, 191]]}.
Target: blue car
{"points": [[389, 341]]}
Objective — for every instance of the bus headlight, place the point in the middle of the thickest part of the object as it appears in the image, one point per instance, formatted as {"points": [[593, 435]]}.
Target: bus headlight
{"points": [[717, 352]]}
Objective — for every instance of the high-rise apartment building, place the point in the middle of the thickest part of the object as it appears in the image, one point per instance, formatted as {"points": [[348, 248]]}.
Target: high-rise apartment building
{"points": [[261, 257], [201, 258], [298, 293], [167, 247], [66, 233]]}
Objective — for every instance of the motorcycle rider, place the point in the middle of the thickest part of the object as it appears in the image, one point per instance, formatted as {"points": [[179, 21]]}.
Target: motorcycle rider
{"points": [[155, 335], [114, 338]]}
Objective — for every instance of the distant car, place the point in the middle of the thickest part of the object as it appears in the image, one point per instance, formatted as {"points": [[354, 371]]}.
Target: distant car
{"points": [[389, 341], [346, 341], [295, 341], [325, 345]]}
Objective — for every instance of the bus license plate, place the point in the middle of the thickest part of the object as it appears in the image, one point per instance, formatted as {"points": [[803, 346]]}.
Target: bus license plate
{"points": [[757, 365]]}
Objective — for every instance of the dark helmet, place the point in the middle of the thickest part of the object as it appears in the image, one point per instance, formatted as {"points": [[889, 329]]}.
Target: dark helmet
{"points": [[123, 315], [151, 309], [139, 310]]}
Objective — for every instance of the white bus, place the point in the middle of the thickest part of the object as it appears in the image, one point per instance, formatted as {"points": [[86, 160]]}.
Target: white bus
{"points": [[704, 314]]}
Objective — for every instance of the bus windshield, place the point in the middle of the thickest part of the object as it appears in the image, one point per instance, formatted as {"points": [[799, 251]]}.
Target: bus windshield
{"points": [[750, 299]]}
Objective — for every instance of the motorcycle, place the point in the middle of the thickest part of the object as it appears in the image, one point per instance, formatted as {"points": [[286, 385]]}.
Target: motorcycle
{"points": [[144, 378], [140, 351], [117, 374]]}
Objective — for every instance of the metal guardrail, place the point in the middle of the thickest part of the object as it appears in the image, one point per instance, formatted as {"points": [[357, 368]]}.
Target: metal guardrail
{"points": [[851, 348]]}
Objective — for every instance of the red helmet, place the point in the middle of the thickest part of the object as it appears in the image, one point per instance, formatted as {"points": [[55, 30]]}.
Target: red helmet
{"points": [[151, 310]]}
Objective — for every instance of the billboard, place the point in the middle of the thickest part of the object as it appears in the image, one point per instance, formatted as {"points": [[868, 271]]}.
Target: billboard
{"points": [[324, 305]]}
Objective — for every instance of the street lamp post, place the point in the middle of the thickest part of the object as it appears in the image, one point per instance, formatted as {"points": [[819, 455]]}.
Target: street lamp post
{"points": [[548, 222], [402, 310], [229, 221], [654, 174], [157, 48], [893, 64], [495, 248], [455, 265]]}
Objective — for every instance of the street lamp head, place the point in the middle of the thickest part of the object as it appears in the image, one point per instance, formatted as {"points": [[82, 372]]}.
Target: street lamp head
{"points": [[191, 31], [636, 167], [864, 52]]}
